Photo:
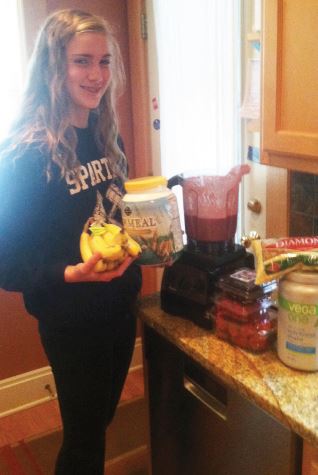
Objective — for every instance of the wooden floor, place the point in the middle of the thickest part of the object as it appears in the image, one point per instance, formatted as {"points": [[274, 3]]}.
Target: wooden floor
{"points": [[46, 417]]}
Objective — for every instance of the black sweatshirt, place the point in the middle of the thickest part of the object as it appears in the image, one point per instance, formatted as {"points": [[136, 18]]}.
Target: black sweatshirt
{"points": [[40, 226]]}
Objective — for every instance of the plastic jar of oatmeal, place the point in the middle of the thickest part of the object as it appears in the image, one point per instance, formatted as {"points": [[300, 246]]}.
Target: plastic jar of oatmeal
{"points": [[151, 217], [297, 331]]}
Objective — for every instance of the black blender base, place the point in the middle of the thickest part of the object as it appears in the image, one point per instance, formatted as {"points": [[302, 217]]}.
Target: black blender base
{"points": [[215, 248], [189, 285], [182, 307], [212, 260]]}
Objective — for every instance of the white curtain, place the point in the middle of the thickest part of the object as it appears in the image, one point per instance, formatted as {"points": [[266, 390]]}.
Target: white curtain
{"points": [[198, 47], [13, 63]]}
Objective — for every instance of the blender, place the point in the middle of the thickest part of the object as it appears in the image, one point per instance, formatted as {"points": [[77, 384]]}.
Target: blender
{"points": [[210, 215]]}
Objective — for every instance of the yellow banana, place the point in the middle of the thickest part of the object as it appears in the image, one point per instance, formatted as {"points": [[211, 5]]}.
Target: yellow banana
{"points": [[124, 238], [100, 266], [123, 255], [112, 228], [108, 238], [112, 239], [114, 234], [111, 265], [108, 252], [86, 252], [112, 242], [133, 247], [85, 249]]}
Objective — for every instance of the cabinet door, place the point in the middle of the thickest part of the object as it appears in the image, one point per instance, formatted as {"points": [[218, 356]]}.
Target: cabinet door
{"points": [[199, 426], [290, 79]]}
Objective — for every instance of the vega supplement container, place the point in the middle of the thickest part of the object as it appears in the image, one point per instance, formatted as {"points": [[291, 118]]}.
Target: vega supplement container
{"points": [[150, 215], [297, 332]]}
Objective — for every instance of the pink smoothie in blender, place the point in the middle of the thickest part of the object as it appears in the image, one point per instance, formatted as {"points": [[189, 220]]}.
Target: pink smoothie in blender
{"points": [[210, 208]]}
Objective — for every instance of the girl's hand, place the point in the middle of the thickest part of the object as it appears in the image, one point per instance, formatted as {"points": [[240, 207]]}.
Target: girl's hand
{"points": [[84, 271]]}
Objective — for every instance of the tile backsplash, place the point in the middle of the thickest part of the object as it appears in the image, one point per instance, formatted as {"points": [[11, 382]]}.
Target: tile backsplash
{"points": [[303, 204]]}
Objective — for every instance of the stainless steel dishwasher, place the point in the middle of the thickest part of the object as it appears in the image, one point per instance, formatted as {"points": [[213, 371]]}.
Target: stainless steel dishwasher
{"points": [[198, 426]]}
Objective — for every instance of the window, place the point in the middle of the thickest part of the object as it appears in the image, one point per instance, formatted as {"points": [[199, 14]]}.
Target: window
{"points": [[198, 48], [13, 60]]}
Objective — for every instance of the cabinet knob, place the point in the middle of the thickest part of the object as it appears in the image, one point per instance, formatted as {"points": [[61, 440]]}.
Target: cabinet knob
{"points": [[255, 206]]}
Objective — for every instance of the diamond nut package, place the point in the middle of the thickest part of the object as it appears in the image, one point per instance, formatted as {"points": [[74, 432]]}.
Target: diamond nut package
{"points": [[276, 257]]}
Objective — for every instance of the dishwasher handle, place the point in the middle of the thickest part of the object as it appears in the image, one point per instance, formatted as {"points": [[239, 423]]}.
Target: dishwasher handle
{"points": [[204, 397]]}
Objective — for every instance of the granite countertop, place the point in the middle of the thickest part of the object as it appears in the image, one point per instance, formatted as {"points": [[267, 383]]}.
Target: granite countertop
{"points": [[289, 395]]}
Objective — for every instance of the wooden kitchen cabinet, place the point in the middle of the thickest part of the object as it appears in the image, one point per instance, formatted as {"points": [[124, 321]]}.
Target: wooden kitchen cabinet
{"points": [[289, 137]]}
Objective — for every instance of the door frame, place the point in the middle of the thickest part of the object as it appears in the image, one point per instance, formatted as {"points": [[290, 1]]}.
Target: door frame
{"points": [[136, 11], [139, 88]]}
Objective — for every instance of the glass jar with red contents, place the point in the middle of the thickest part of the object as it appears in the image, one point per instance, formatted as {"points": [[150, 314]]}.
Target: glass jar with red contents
{"points": [[255, 335], [245, 314], [242, 312]]}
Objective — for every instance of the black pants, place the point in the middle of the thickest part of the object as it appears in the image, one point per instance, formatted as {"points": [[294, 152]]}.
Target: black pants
{"points": [[89, 367]]}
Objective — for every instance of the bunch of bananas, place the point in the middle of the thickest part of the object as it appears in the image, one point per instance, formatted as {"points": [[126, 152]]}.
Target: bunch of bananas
{"points": [[112, 242]]}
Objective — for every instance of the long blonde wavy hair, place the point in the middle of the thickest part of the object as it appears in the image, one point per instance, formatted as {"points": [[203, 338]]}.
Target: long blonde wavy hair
{"points": [[43, 117]]}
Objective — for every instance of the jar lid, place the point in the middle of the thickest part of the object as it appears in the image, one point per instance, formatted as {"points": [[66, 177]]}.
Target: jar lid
{"points": [[303, 277], [144, 183], [241, 284]]}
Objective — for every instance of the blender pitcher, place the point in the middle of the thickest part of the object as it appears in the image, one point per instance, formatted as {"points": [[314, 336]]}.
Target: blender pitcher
{"points": [[210, 208]]}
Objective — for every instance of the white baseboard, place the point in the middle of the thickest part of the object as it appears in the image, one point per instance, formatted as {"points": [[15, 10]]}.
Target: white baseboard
{"points": [[26, 390], [35, 387]]}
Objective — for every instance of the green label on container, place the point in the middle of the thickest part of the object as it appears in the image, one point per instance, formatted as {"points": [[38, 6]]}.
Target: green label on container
{"points": [[297, 334], [304, 309]]}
